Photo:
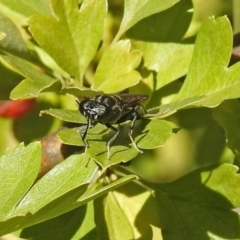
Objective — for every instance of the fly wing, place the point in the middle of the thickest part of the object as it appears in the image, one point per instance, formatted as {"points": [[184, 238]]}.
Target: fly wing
{"points": [[132, 99]]}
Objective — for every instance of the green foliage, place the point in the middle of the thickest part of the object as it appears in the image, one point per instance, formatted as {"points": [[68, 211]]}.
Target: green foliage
{"points": [[63, 38], [200, 196], [34, 83], [11, 190], [227, 115], [209, 71], [118, 56], [73, 48]]}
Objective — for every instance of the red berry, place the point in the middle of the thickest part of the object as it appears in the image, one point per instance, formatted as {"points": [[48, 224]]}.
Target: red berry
{"points": [[16, 108]]}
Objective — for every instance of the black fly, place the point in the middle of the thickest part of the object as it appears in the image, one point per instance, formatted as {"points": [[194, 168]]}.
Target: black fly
{"points": [[109, 110]]}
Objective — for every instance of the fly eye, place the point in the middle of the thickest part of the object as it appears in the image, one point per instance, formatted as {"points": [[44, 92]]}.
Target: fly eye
{"points": [[83, 107], [91, 106], [88, 108]]}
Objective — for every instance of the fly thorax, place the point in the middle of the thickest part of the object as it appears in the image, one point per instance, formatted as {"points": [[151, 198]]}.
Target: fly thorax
{"points": [[102, 111]]}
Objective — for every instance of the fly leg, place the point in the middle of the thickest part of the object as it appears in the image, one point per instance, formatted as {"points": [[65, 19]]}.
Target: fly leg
{"points": [[83, 136], [85, 129], [130, 131], [112, 139], [137, 112]]}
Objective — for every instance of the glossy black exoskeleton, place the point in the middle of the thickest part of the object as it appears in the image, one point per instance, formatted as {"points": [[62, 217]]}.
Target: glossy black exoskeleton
{"points": [[109, 110]]}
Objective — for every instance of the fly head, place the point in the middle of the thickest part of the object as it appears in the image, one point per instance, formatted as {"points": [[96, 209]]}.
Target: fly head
{"points": [[89, 109]]}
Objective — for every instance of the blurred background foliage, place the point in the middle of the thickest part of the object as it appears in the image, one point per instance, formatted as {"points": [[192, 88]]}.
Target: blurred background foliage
{"points": [[200, 141]]}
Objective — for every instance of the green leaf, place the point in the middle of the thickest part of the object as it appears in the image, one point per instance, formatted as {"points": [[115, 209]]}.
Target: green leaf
{"points": [[75, 225], [74, 198], [70, 36], [208, 73], [2, 35], [147, 135], [153, 30], [203, 198], [35, 81], [87, 230], [145, 86], [48, 61], [164, 57], [11, 225], [18, 170], [13, 42], [154, 134], [115, 71], [110, 219], [170, 108], [93, 194], [66, 115], [80, 91], [9, 79], [62, 204], [68, 222], [165, 49], [134, 11], [70, 136], [134, 204], [68, 202], [161, 44], [227, 115], [177, 56], [60, 180], [28, 7]]}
